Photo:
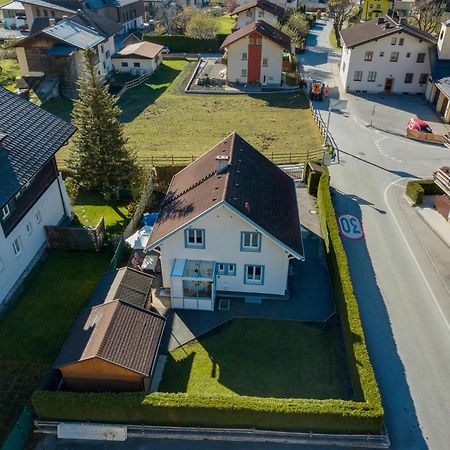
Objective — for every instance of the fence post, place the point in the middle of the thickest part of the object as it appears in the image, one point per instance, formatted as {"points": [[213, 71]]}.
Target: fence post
{"points": [[172, 161]]}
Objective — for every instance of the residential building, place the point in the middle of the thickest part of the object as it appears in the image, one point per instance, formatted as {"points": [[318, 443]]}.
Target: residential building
{"points": [[13, 15], [258, 10], [191, 3], [55, 9], [254, 54], [32, 193], [228, 227], [372, 9], [402, 8], [57, 50], [286, 4], [140, 58], [385, 55]]}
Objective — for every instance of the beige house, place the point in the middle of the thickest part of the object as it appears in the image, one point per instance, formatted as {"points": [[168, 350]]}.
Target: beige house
{"points": [[140, 58], [258, 10]]}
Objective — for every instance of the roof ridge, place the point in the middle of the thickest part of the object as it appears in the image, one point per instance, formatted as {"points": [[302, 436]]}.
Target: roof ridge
{"points": [[227, 178], [110, 325]]}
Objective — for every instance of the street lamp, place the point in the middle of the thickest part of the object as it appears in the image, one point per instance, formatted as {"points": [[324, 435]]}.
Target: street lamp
{"points": [[332, 103]]}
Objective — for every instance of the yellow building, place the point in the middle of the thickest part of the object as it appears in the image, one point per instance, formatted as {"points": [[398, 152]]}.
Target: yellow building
{"points": [[371, 9]]}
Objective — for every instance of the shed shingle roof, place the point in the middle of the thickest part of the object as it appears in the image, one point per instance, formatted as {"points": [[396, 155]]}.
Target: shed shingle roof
{"points": [[102, 25], [33, 136], [252, 185], [117, 332], [379, 28], [69, 6], [262, 28], [262, 4], [142, 49]]}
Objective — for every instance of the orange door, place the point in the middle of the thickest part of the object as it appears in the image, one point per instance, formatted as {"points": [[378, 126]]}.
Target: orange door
{"points": [[254, 58]]}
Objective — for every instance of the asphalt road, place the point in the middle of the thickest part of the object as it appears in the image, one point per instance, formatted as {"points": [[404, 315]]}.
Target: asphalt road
{"points": [[402, 305]]}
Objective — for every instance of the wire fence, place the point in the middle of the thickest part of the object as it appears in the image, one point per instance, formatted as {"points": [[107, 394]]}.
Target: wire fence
{"points": [[328, 139]]}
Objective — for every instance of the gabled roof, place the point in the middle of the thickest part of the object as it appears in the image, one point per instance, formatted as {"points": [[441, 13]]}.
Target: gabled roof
{"points": [[379, 28], [117, 332], [144, 49], [33, 136], [130, 285], [14, 6], [251, 185], [99, 4], [262, 4], [262, 28], [39, 23], [72, 33], [102, 25], [69, 6]]}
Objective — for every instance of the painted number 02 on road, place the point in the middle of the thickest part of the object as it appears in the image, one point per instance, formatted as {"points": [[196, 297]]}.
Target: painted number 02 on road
{"points": [[350, 226]]}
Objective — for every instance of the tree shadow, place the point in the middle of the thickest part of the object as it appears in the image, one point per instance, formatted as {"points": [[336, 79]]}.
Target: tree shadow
{"points": [[378, 331], [177, 374], [297, 100]]}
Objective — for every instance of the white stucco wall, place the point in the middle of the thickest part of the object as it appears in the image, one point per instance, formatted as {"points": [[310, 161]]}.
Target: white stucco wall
{"points": [[256, 14], [105, 52], [146, 65], [223, 242], [12, 266], [270, 50], [443, 44], [353, 60]]}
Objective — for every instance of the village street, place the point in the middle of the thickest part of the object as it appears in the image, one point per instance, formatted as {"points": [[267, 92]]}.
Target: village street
{"points": [[404, 298]]}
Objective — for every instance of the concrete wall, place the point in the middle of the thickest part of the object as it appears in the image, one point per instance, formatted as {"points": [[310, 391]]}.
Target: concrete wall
{"points": [[31, 13], [223, 244], [255, 14], [51, 210], [353, 60], [146, 65]]}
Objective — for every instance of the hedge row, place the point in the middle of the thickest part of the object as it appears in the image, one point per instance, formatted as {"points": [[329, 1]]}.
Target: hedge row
{"points": [[326, 416], [179, 43], [416, 189], [362, 375]]}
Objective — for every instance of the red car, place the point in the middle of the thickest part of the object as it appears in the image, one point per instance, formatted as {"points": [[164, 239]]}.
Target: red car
{"points": [[419, 125]]}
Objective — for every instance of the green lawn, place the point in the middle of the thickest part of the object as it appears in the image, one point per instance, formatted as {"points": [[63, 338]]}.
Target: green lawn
{"points": [[89, 207], [225, 24], [59, 107], [332, 39], [263, 358], [9, 72], [33, 330]]}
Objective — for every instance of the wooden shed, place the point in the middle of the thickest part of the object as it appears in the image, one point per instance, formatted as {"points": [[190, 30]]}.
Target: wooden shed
{"points": [[111, 347]]}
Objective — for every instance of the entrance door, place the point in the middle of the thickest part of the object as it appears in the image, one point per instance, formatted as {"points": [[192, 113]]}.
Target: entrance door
{"points": [[388, 84], [254, 58]]}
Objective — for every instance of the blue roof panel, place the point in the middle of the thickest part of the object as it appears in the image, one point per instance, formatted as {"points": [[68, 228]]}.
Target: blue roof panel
{"points": [[61, 50]]}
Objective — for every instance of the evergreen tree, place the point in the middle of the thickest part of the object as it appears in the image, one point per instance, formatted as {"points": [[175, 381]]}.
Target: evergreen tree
{"points": [[100, 160]]}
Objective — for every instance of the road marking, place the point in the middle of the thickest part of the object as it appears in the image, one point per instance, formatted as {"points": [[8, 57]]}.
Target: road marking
{"points": [[350, 226], [427, 284]]}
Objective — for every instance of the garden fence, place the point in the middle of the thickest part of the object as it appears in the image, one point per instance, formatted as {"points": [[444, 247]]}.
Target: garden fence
{"points": [[118, 255], [21, 432], [328, 139]]}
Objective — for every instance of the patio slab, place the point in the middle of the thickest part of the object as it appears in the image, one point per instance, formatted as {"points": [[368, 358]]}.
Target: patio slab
{"points": [[311, 297]]}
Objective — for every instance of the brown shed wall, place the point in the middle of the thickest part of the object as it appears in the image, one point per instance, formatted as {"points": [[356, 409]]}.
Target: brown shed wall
{"points": [[98, 375]]}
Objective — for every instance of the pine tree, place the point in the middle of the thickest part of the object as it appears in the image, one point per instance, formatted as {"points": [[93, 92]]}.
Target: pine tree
{"points": [[100, 160]]}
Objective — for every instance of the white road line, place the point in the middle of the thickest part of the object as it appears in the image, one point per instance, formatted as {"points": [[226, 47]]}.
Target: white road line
{"points": [[427, 284]]}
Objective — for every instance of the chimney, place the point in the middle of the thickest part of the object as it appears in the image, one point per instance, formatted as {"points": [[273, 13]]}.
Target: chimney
{"points": [[3, 136], [222, 164], [380, 20], [51, 21]]}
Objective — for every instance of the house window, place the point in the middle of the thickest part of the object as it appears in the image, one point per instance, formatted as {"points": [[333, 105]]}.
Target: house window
{"points": [[372, 77], [244, 73], [5, 212], [194, 238], [38, 217], [378, 6], [2, 265], [45, 13], [251, 41], [250, 241], [108, 54], [38, 12], [258, 41], [104, 65], [17, 247], [124, 64], [343, 66], [409, 78], [358, 75], [136, 64], [381, 54], [394, 57], [29, 229], [52, 13], [401, 41], [102, 48], [260, 13], [421, 57], [244, 56], [368, 56], [408, 54], [226, 269], [423, 78], [265, 62], [393, 41], [248, 13], [254, 274]]}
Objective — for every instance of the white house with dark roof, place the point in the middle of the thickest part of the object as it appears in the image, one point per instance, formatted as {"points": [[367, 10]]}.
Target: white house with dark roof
{"points": [[385, 55], [228, 227], [258, 10], [140, 58], [32, 193]]}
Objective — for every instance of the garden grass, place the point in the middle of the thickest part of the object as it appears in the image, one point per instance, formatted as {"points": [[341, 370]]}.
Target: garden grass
{"points": [[225, 24], [34, 329], [9, 73], [262, 358]]}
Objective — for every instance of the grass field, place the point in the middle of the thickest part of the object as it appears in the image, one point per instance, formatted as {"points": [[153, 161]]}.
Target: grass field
{"points": [[160, 120], [9, 71], [32, 332], [225, 24], [263, 358]]}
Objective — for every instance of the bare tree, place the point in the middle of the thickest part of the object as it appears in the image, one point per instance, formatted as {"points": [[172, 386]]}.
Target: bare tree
{"points": [[428, 14], [340, 10], [202, 26], [182, 19], [231, 5]]}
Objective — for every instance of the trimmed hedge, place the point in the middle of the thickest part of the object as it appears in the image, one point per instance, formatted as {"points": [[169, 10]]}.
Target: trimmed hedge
{"points": [[361, 371], [416, 190], [179, 43], [313, 183]]}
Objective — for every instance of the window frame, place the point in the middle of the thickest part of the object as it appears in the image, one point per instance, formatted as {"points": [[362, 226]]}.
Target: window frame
{"points": [[420, 58], [5, 212], [408, 78], [401, 41], [372, 79], [38, 216], [196, 233], [244, 73], [251, 248], [265, 62], [124, 64], [229, 269], [253, 280], [368, 56], [137, 65], [392, 59], [17, 246], [29, 228], [244, 56], [355, 78], [423, 75], [394, 41]]}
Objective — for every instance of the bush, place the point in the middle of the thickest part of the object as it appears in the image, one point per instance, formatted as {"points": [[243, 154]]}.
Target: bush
{"points": [[185, 44], [313, 183], [416, 189], [361, 371]]}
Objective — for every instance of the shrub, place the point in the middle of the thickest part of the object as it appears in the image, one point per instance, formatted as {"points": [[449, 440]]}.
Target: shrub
{"points": [[185, 44], [416, 190]]}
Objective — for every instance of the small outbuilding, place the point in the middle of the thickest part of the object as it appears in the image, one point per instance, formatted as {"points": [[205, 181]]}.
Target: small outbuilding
{"points": [[111, 347], [139, 58]]}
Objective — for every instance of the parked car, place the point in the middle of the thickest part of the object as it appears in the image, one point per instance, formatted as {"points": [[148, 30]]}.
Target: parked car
{"points": [[417, 124], [166, 50]]}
